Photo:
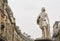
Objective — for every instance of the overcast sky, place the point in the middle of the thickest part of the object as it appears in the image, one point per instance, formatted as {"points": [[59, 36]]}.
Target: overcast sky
{"points": [[26, 12]]}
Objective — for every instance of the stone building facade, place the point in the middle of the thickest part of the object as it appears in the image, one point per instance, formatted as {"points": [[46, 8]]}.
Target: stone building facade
{"points": [[18, 36], [7, 21], [8, 29], [17, 32]]}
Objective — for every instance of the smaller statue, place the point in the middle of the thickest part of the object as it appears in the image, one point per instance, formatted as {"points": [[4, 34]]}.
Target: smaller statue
{"points": [[56, 31], [43, 23]]}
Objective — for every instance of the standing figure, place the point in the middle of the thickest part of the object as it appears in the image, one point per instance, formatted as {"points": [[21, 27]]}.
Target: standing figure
{"points": [[43, 23]]}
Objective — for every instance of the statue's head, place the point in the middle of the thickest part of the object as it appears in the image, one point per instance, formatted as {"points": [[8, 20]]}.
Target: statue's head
{"points": [[43, 9]]}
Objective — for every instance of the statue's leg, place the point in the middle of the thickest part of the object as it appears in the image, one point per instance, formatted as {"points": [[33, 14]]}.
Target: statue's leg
{"points": [[48, 32], [43, 33]]}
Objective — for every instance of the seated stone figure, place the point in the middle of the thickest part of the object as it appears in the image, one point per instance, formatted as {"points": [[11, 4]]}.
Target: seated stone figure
{"points": [[56, 31]]}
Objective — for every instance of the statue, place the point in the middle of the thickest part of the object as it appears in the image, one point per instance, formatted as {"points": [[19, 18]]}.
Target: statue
{"points": [[43, 23], [56, 31]]}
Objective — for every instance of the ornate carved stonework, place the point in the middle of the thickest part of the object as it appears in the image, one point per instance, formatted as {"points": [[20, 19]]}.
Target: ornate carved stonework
{"points": [[56, 31], [8, 29]]}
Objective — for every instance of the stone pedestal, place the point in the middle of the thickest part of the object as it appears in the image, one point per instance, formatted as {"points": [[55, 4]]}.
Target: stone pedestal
{"points": [[43, 40]]}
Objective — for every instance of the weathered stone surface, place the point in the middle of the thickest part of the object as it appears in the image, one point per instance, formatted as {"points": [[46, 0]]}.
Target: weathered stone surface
{"points": [[56, 31], [1, 39], [8, 28]]}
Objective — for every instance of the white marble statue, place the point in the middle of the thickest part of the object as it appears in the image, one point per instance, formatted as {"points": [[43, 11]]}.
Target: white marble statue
{"points": [[43, 23]]}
